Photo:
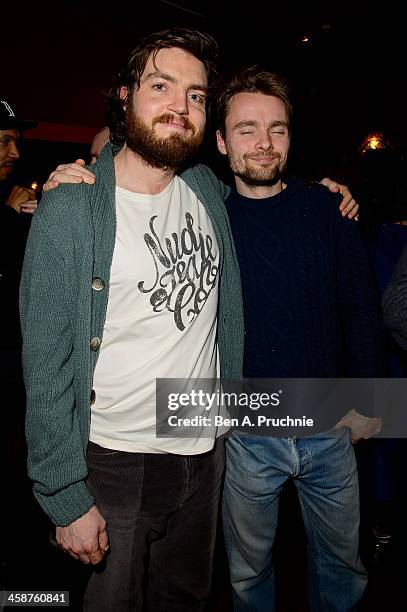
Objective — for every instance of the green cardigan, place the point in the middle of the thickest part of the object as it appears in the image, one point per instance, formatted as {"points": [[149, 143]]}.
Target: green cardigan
{"points": [[71, 243]]}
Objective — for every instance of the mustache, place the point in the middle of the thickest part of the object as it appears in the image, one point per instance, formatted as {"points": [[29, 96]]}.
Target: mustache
{"points": [[168, 118], [270, 155]]}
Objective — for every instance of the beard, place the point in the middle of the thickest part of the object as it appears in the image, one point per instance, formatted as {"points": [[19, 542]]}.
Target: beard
{"points": [[259, 177], [173, 151]]}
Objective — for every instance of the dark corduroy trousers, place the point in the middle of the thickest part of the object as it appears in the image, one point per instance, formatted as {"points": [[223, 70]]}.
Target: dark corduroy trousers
{"points": [[161, 512]]}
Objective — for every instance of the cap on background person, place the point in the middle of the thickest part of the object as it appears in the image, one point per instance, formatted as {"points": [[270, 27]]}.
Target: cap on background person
{"points": [[9, 121]]}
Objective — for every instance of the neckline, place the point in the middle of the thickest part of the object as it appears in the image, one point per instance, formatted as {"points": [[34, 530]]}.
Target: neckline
{"points": [[134, 195]]}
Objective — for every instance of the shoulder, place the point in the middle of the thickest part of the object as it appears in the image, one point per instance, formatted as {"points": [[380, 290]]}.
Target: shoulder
{"points": [[62, 204], [317, 199], [199, 170], [203, 177], [73, 202], [63, 217], [314, 191]]}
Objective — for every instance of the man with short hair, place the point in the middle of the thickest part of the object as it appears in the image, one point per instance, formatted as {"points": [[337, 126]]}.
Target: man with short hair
{"points": [[175, 117], [121, 286], [311, 311]]}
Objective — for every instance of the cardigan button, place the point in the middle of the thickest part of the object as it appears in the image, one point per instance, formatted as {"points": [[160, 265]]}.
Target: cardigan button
{"points": [[92, 399], [98, 284], [95, 344]]}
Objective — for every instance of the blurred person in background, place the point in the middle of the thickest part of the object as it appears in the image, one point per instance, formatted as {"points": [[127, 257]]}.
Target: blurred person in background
{"points": [[15, 202], [383, 218], [100, 139]]}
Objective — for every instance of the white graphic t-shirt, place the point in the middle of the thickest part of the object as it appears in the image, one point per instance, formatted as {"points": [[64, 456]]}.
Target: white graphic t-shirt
{"points": [[161, 316]]}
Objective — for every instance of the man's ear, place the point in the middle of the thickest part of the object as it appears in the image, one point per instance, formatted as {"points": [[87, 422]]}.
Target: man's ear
{"points": [[221, 143], [124, 94]]}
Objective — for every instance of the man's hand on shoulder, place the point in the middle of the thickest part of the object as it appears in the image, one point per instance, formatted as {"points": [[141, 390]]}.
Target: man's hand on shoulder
{"points": [[348, 206], [69, 173], [86, 538]]}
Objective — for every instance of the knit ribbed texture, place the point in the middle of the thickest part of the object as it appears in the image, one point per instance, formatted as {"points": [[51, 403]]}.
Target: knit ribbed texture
{"points": [[310, 301], [70, 243], [395, 302]]}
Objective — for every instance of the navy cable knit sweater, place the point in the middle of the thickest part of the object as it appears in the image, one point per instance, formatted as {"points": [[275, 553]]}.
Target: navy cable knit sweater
{"points": [[311, 305]]}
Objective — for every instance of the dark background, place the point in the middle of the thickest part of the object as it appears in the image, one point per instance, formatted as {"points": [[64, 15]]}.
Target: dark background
{"points": [[348, 79], [57, 58]]}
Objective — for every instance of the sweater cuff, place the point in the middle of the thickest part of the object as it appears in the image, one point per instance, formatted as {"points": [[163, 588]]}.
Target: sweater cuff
{"points": [[67, 505]]}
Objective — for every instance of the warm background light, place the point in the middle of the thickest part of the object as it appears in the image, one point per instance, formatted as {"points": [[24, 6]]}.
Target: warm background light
{"points": [[373, 141]]}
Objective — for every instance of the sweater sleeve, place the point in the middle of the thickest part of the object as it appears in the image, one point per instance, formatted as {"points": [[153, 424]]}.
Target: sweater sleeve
{"points": [[395, 302], [56, 459], [359, 303]]}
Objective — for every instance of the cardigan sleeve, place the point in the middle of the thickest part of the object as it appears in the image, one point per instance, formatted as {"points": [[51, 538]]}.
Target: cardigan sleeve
{"points": [[56, 459]]}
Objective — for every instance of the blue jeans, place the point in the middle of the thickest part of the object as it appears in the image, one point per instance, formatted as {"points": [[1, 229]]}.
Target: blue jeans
{"points": [[324, 471]]}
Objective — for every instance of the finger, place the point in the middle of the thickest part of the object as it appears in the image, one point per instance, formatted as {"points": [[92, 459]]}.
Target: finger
{"points": [[77, 167], [333, 186], [96, 557], [80, 553], [80, 162], [84, 558], [74, 175], [66, 177], [69, 173], [29, 204], [50, 184], [69, 169], [67, 550], [72, 554], [346, 200], [352, 209], [103, 540], [25, 192], [58, 536]]}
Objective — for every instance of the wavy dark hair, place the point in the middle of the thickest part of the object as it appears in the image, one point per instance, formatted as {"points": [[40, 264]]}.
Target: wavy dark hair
{"points": [[200, 45], [251, 79]]}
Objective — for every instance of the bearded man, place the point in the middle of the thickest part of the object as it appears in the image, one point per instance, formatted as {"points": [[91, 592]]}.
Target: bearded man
{"points": [[122, 285]]}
